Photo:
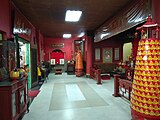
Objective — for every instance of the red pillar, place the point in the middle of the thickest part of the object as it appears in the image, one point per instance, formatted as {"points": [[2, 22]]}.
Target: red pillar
{"points": [[135, 47], [116, 85], [89, 53], [98, 76]]}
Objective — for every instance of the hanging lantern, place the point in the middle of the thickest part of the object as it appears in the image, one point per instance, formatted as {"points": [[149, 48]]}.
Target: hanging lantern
{"points": [[145, 98]]}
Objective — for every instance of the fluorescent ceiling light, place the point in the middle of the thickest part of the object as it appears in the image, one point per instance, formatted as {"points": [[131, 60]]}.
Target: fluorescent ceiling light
{"points": [[66, 35], [73, 16]]}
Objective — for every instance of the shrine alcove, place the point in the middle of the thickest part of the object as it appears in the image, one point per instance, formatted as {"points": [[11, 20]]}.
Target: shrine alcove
{"points": [[57, 57]]}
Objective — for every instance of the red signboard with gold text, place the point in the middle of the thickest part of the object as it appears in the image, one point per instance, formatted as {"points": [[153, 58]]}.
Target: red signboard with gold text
{"points": [[21, 26]]}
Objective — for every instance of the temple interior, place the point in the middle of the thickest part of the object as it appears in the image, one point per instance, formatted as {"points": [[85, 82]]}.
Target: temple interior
{"points": [[79, 60]]}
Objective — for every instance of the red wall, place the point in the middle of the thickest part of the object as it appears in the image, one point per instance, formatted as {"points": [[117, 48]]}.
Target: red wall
{"points": [[113, 42], [57, 56], [68, 48], [33, 36], [40, 39], [5, 21], [156, 11]]}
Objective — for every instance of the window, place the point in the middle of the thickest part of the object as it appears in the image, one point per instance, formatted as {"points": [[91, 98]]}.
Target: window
{"points": [[97, 54]]}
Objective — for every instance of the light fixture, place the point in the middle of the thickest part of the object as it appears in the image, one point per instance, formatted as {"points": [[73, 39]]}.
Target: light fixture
{"points": [[67, 35], [73, 16], [104, 34], [81, 34]]}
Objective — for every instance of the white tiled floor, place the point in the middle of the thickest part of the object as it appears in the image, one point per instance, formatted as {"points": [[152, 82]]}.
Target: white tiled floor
{"points": [[76, 95], [54, 92]]}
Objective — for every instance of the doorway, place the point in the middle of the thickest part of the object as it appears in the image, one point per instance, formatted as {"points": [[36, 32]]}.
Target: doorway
{"points": [[24, 52], [34, 76], [127, 51], [1, 37], [23, 56]]}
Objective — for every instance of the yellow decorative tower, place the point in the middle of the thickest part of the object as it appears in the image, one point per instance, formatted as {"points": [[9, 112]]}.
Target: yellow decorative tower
{"points": [[145, 98], [79, 64]]}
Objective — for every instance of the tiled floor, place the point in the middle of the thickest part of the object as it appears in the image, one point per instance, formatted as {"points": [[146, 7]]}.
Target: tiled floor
{"points": [[66, 97]]}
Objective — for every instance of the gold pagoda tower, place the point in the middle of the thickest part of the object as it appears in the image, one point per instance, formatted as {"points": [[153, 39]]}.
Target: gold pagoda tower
{"points": [[79, 64], [145, 98]]}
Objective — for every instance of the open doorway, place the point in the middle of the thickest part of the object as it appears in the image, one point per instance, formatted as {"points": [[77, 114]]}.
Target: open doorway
{"points": [[1, 37], [23, 56], [127, 51]]}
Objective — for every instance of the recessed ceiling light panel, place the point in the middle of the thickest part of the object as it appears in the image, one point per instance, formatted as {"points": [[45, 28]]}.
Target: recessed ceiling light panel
{"points": [[67, 35], [73, 16]]}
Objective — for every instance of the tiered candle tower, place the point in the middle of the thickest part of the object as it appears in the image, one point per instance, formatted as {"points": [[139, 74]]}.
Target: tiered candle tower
{"points": [[145, 98], [79, 64]]}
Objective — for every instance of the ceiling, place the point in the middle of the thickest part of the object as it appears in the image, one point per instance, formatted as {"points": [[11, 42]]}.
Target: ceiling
{"points": [[49, 15]]}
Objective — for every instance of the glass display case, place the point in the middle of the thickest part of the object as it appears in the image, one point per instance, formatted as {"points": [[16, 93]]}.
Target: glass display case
{"points": [[7, 58]]}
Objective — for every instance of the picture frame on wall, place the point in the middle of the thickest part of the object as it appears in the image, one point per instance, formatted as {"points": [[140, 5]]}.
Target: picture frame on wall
{"points": [[97, 54], [53, 61], [116, 53], [61, 61], [107, 55]]}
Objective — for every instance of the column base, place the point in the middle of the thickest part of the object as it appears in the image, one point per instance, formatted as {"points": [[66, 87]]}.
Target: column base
{"points": [[79, 72], [140, 116]]}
